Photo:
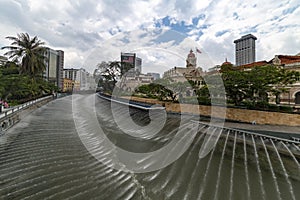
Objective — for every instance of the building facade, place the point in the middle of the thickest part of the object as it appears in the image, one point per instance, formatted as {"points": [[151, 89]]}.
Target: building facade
{"points": [[288, 62], [54, 67], [189, 73], [81, 79], [132, 59], [130, 83], [245, 50], [60, 67], [291, 63], [154, 75]]}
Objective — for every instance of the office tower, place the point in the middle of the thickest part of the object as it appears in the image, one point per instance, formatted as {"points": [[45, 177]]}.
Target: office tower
{"points": [[133, 60], [60, 68], [245, 50]]}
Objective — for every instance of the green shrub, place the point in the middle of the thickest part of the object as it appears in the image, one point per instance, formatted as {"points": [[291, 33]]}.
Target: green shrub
{"points": [[286, 109], [274, 107]]}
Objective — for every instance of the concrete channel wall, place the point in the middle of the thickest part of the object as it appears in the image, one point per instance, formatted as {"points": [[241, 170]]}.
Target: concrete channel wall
{"points": [[234, 114], [10, 117]]}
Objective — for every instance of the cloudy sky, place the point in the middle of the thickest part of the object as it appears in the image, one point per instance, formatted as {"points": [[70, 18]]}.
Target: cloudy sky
{"points": [[161, 32]]}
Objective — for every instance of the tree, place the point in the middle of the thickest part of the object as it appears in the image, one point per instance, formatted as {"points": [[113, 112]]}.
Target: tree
{"points": [[236, 85], [255, 85], [19, 88], [110, 73], [284, 78], [155, 90], [164, 89], [29, 52], [203, 94]]}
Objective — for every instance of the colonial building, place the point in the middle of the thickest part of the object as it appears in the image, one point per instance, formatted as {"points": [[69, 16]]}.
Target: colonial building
{"points": [[131, 82], [189, 73], [249, 66], [292, 63], [288, 62], [70, 85]]}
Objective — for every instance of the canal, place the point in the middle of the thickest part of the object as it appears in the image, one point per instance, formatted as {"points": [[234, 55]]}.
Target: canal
{"points": [[84, 147]]}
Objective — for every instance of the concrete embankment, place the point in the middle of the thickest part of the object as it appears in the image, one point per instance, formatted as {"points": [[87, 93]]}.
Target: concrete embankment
{"points": [[232, 114]]}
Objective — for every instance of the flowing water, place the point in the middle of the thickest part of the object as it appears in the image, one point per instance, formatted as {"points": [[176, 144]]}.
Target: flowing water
{"points": [[48, 155]]}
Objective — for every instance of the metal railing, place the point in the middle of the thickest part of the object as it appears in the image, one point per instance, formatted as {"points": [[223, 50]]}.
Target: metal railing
{"points": [[5, 114], [264, 136]]}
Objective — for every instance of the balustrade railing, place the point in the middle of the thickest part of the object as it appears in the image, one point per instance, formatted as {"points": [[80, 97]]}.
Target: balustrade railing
{"points": [[6, 115]]}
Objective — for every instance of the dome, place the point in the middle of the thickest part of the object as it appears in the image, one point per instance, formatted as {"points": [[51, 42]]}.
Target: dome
{"points": [[226, 62], [191, 54]]}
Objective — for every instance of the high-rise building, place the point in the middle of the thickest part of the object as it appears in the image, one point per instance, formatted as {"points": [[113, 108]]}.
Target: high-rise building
{"points": [[245, 50], [54, 67], [60, 68], [132, 59]]}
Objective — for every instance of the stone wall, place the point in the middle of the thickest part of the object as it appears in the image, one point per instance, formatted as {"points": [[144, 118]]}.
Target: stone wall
{"points": [[239, 115]]}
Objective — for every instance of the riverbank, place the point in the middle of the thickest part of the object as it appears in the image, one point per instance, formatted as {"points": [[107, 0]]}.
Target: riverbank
{"points": [[236, 118], [47, 159]]}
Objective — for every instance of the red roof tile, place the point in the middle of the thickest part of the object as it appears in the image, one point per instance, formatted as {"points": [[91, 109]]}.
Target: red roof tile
{"points": [[285, 59], [254, 64]]}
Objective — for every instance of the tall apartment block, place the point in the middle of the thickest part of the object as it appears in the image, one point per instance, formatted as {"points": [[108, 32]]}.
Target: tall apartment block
{"points": [[60, 68], [245, 50], [54, 67]]}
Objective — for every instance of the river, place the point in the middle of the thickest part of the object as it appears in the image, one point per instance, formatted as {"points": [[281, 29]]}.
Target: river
{"points": [[53, 153]]}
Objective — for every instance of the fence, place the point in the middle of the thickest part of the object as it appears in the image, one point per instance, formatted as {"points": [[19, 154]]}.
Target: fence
{"points": [[9, 117]]}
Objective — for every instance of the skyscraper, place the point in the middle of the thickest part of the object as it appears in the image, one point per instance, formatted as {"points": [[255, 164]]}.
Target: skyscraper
{"points": [[54, 67], [245, 50], [60, 68], [132, 59]]}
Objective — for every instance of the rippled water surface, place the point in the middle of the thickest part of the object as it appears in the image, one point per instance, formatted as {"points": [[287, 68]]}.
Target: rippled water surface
{"points": [[44, 157]]}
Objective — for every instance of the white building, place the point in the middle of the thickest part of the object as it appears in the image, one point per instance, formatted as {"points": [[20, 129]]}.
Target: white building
{"points": [[189, 73], [84, 79], [130, 83], [54, 67]]}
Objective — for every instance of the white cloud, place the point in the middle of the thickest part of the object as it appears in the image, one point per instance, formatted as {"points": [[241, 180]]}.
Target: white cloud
{"points": [[81, 28]]}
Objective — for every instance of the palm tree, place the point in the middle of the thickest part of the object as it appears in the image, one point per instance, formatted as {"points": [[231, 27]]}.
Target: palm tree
{"points": [[29, 52]]}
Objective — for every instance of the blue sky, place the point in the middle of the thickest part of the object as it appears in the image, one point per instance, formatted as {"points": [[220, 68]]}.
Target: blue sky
{"points": [[161, 32]]}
